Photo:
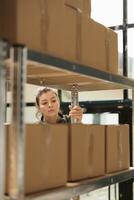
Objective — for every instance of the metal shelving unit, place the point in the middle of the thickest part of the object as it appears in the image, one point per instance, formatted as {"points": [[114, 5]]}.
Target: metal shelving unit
{"points": [[79, 188], [43, 69]]}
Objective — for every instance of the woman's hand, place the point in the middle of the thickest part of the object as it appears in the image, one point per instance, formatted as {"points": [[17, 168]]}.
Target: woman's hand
{"points": [[76, 113]]}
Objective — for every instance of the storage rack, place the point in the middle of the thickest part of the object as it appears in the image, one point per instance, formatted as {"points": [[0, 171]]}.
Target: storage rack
{"points": [[88, 78], [2, 113]]}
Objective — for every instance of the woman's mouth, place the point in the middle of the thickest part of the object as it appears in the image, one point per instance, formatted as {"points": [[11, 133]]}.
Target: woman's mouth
{"points": [[51, 110]]}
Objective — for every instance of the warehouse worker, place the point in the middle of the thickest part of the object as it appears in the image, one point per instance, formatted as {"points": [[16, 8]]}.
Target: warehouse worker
{"points": [[48, 105]]}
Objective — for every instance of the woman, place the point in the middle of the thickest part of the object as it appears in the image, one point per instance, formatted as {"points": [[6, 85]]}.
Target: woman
{"points": [[48, 105]]}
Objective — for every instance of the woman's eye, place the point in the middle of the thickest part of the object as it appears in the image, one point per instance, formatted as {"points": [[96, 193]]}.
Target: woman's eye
{"points": [[44, 103], [54, 100]]}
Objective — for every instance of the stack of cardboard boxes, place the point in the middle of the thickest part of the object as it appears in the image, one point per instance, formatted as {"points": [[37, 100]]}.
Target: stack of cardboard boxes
{"points": [[55, 154], [96, 150], [62, 28]]}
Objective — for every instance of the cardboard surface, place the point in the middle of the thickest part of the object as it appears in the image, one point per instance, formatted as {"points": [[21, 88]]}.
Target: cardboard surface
{"points": [[93, 44], [46, 26], [34, 23], [86, 151], [117, 148], [112, 49], [45, 158], [83, 5]]}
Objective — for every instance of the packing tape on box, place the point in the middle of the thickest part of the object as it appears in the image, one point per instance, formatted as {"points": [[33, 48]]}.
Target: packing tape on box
{"points": [[90, 153], [44, 22], [119, 148], [78, 35], [78, 30], [47, 149], [107, 50]]}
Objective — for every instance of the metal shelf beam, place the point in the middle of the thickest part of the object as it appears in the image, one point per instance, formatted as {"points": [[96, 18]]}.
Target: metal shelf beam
{"points": [[79, 188], [80, 69]]}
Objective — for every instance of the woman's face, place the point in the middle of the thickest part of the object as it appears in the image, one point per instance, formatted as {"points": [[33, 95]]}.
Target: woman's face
{"points": [[49, 104]]}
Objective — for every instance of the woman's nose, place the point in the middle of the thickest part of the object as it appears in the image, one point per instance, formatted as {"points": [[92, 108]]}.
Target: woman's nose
{"points": [[49, 104]]}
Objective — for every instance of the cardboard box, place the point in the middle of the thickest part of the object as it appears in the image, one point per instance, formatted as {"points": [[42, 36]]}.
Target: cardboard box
{"points": [[46, 26], [86, 142], [112, 51], [93, 44], [45, 158], [117, 148], [35, 23], [99, 47]]}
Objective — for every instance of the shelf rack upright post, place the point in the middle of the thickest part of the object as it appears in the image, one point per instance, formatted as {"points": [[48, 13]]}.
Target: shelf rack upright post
{"points": [[18, 56], [3, 55]]}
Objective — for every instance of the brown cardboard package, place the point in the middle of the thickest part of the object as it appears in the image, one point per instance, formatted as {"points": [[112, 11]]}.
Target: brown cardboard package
{"points": [[117, 148], [45, 158], [93, 44], [112, 49], [86, 151], [99, 47]]}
